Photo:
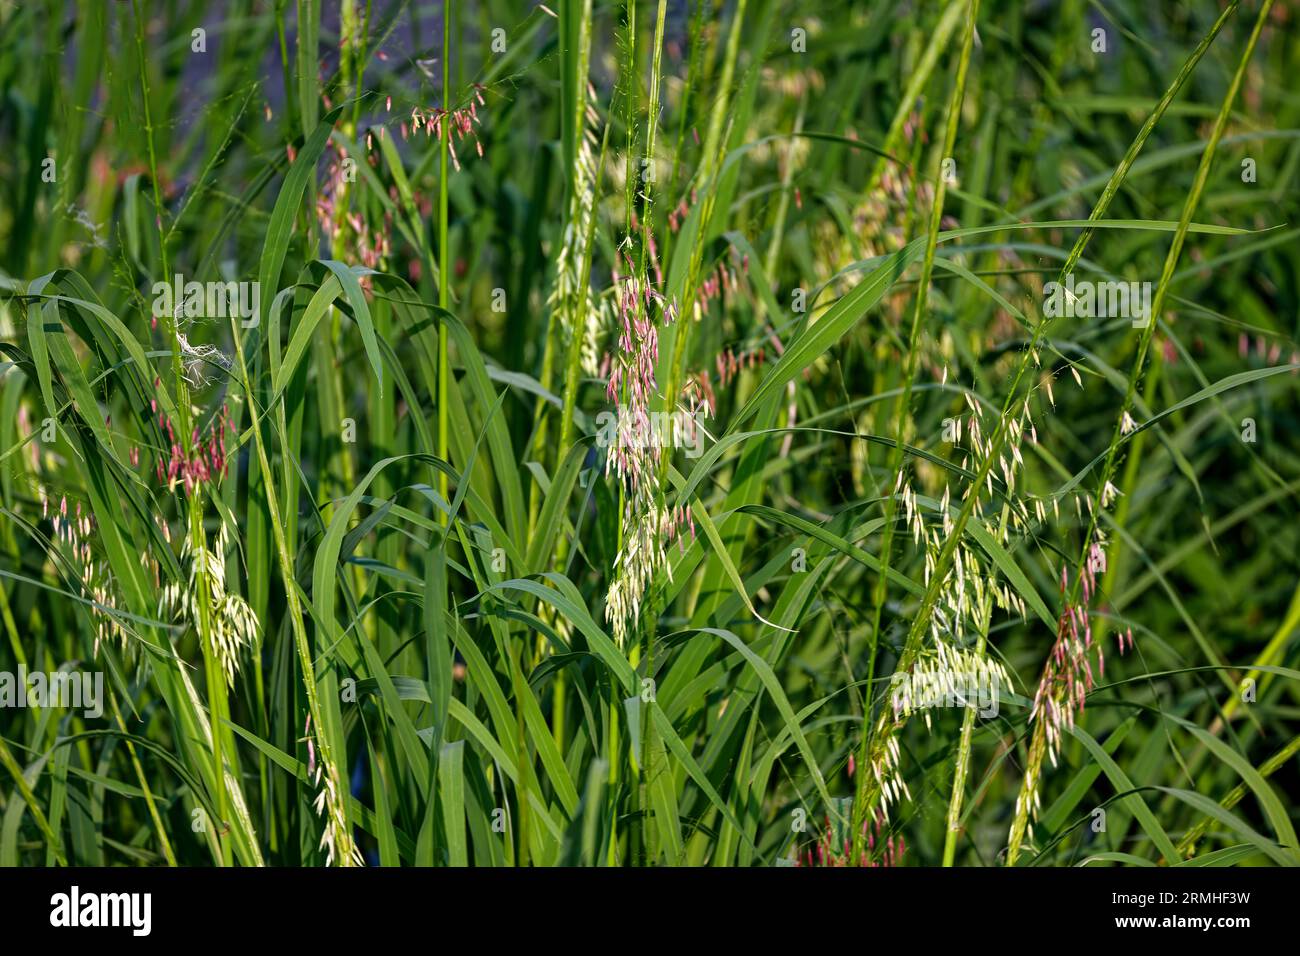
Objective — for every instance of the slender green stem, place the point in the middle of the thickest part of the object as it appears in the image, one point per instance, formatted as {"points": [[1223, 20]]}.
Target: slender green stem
{"points": [[444, 252], [903, 411]]}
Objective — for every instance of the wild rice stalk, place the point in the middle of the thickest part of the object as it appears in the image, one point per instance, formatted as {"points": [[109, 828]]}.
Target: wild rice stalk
{"points": [[338, 832], [444, 253], [1044, 735], [1006, 422], [864, 801], [216, 684], [585, 322]]}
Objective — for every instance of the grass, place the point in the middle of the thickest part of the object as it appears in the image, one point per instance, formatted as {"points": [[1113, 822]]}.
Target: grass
{"points": [[367, 580]]}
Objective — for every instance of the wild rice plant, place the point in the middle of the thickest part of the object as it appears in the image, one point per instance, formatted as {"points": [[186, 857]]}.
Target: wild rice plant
{"points": [[314, 318]]}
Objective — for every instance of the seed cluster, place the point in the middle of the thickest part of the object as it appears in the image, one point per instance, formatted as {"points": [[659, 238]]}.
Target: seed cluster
{"points": [[96, 581], [203, 460], [232, 624], [645, 518]]}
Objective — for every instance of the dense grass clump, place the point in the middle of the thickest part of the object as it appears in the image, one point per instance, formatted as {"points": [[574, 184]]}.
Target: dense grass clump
{"points": [[726, 432]]}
